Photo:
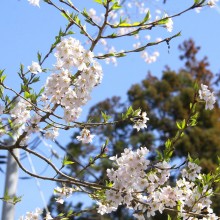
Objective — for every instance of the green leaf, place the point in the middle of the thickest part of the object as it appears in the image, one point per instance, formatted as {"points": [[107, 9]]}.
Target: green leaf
{"points": [[114, 35], [108, 184], [61, 214], [21, 68], [178, 124], [137, 112], [136, 23], [11, 199], [39, 57], [181, 124], [27, 95], [129, 111], [116, 6], [65, 15], [168, 144], [77, 20], [196, 86], [85, 13], [16, 199], [1, 91], [7, 99], [124, 25], [105, 117], [98, 1], [33, 98], [70, 32], [6, 196], [41, 91], [123, 116], [1, 72], [122, 20], [70, 212], [66, 161], [163, 21], [120, 55], [190, 158], [104, 155], [147, 17], [159, 155], [36, 79], [169, 155], [196, 2], [139, 49], [133, 33], [106, 143], [2, 78], [91, 159]]}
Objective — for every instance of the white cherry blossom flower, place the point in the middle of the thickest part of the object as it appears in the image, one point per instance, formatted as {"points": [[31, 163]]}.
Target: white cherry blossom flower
{"points": [[142, 122], [32, 215], [169, 23], [208, 96], [212, 3], [48, 216], [85, 136], [34, 2], [35, 68]]}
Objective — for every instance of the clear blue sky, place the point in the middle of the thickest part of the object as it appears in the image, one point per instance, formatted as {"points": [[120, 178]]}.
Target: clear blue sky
{"points": [[26, 29]]}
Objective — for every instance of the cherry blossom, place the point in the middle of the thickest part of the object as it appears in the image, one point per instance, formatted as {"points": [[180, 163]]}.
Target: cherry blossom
{"points": [[35, 68], [208, 96], [85, 136], [142, 122]]}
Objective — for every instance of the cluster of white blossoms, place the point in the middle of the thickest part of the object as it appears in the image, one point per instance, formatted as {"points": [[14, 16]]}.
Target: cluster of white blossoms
{"points": [[32, 215], [52, 133], [62, 88], [72, 91], [29, 123], [85, 136], [150, 58], [142, 187], [141, 122], [35, 215], [63, 193], [20, 113], [208, 96], [127, 179], [192, 171]]}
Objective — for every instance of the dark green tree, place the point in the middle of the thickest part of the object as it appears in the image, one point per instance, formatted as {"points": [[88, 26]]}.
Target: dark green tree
{"points": [[166, 100]]}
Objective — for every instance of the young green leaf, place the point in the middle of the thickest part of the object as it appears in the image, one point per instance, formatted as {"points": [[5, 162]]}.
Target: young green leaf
{"points": [[147, 17]]}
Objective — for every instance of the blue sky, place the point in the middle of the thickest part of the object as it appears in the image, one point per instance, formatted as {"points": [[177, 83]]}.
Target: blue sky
{"points": [[26, 29]]}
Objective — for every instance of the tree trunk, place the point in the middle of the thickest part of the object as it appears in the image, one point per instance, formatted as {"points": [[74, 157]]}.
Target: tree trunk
{"points": [[11, 181]]}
